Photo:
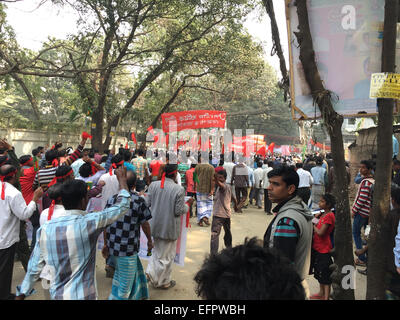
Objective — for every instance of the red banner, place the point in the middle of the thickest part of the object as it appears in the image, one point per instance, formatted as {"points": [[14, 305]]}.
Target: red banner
{"points": [[194, 119]]}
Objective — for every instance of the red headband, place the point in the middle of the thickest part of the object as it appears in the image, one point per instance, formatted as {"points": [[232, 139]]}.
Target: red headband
{"points": [[54, 181], [3, 185], [115, 165], [24, 163], [164, 175]]}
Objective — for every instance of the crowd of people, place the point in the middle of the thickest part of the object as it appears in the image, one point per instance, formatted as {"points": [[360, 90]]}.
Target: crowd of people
{"points": [[71, 197]]}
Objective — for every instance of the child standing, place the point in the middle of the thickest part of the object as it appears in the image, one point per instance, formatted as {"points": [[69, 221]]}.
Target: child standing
{"points": [[221, 212], [322, 245]]}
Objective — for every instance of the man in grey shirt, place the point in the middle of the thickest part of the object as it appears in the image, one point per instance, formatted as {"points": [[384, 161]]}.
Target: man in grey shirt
{"points": [[167, 201]]}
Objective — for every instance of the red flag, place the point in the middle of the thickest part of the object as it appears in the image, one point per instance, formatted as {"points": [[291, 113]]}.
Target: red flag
{"points": [[150, 129], [126, 145], [271, 147], [262, 151], [133, 138]]}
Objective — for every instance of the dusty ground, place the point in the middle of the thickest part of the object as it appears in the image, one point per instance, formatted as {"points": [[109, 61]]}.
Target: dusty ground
{"points": [[252, 223]]}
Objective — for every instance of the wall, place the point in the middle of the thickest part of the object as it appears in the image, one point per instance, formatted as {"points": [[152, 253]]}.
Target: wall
{"points": [[24, 140]]}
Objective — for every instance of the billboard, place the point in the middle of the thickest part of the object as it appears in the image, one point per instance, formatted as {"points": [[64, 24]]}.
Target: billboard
{"points": [[193, 119], [347, 37]]}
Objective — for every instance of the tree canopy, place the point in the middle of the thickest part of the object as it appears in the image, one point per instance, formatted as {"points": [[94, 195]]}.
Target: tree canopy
{"points": [[129, 61]]}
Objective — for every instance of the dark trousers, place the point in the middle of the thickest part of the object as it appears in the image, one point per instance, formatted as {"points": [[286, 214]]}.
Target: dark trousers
{"points": [[217, 224], [22, 247], [6, 271], [304, 194], [35, 220], [267, 202], [241, 196]]}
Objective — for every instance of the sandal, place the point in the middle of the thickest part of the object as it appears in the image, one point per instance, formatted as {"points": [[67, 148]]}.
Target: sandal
{"points": [[316, 296], [200, 224], [168, 286], [359, 263], [205, 220]]}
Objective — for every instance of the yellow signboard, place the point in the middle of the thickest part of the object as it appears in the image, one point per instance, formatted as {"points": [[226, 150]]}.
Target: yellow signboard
{"points": [[385, 85]]}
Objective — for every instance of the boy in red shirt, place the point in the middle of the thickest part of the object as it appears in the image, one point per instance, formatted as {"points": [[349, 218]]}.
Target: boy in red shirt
{"points": [[322, 245]]}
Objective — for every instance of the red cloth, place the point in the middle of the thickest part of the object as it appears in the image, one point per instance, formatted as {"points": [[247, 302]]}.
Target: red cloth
{"points": [[86, 135], [155, 167], [189, 180], [26, 182], [193, 119], [133, 138], [323, 244], [218, 169]]}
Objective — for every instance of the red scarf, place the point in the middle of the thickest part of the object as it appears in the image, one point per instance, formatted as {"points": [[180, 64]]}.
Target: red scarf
{"points": [[3, 184], [94, 169], [115, 165], [51, 208], [164, 176]]}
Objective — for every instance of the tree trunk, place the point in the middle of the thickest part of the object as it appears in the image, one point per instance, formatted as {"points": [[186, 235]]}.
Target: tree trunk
{"points": [[381, 202], [277, 48], [97, 129], [333, 122]]}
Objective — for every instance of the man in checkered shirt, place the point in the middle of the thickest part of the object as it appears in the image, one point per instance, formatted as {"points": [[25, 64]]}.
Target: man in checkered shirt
{"points": [[122, 241]]}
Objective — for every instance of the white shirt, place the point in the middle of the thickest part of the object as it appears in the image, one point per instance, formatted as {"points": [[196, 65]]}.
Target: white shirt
{"points": [[228, 166], [265, 180], [258, 177], [178, 179], [306, 179], [59, 211], [12, 209], [110, 188], [76, 166]]}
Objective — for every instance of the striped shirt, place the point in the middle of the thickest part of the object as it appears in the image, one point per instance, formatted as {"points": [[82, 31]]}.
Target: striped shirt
{"points": [[286, 234], [45, 175], [363, 202], [68, 246]]}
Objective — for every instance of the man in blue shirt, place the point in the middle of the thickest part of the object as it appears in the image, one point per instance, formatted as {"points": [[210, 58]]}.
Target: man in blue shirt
{"points": [[67, 244]]}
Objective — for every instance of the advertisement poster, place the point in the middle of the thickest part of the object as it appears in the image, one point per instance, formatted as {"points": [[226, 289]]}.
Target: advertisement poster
{"points": [[385, 85], [347, 37]]}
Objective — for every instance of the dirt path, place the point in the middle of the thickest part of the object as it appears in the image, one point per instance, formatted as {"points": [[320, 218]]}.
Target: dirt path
{"points": [[252, 223]]}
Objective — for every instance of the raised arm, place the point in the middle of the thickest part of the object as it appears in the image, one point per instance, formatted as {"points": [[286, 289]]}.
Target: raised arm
{"points": [[77, 153]]}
